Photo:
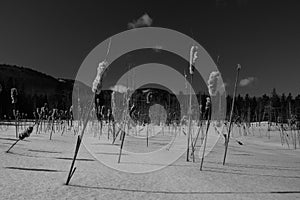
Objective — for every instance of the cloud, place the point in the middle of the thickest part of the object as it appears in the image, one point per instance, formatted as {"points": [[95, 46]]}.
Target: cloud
{"points": [[247, 81], [158, 48], [61, 80], [119, 88], [147, 90], [143, 21]]}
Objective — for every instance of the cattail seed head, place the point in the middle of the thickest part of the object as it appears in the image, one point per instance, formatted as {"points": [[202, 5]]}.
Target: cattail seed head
{"points": [[26, 133], [213, 82], [208, 102], [13, 93], [113, 103], [97, 82], [193, 57]]}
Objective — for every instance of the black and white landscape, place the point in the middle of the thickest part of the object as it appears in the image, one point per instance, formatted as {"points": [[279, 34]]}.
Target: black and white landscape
{"points": [[150, 99]]}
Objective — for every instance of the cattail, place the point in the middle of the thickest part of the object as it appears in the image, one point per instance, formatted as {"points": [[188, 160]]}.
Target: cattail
{"points": [[193, 57], [113, 104], [22, 136], [96, 88], [213, 82], [231, 112], [14, 94], [97, 82], [26, 133], [207, 110], [207, 105]]}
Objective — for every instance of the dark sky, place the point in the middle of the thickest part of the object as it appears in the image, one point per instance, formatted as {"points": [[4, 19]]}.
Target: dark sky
{"points": [[263, 36]]}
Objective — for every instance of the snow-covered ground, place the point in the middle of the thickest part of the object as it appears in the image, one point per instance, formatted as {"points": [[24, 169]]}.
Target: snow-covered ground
{"points": [[37, 168]]}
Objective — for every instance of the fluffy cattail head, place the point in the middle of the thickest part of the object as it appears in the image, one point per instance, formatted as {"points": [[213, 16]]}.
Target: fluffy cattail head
{"points": [[97, 82], [193, 57], [207, 105], [13, 93], [26, 133], [113, 102], [213, 82]]}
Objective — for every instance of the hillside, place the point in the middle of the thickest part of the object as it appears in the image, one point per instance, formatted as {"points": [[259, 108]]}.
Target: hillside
{"points": [[28, 80], [34, 89]]}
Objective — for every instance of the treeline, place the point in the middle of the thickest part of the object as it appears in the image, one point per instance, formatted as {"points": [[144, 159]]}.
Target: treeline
{"points": [[27, 103], [273, 107]]}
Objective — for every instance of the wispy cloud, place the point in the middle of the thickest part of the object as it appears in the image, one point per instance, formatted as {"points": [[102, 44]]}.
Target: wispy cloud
{"points": [[247, 81], [143, 21], [157, 48], [120, 88]]}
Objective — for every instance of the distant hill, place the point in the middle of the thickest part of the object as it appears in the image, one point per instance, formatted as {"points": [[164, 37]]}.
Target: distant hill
{"points": [[34, 88], [30, 81]]}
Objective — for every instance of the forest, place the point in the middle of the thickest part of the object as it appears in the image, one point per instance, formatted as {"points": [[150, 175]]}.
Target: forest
{"points": [[35, 89]]}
